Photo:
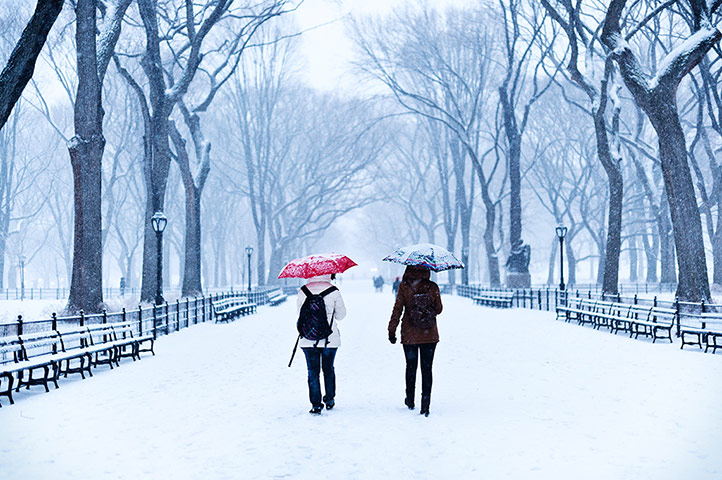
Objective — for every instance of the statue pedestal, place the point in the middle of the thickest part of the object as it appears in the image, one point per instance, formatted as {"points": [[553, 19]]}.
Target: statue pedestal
{"points": [[518, 280]]}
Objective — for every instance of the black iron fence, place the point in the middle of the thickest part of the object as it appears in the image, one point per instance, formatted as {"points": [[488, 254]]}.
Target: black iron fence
{"points": [[60, 293], [153, 319]]}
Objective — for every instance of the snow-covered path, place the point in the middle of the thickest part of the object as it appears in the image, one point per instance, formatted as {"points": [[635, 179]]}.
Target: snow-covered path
{"points": [[516, 395]]}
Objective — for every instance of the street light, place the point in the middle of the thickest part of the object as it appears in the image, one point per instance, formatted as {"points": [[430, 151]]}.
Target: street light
{"points": [[158, 221], [21, 261], [249, 252], [561, 233]]}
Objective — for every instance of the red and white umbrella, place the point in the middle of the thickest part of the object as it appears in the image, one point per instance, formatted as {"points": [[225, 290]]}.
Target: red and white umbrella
{"points": [[314, 265]]}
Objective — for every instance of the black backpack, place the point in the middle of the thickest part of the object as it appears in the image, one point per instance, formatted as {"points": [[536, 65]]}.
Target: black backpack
{"points": [[422, 313], [312, 320]]}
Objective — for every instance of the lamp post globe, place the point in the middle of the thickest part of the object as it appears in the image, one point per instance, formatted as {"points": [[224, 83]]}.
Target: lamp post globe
{"points": [[561, 231], [158, 222], [249, 252]]}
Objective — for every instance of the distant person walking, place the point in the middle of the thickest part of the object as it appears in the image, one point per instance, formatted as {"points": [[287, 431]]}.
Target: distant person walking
{"points": [[395, 286], [419, 300], [320, 301], [379, 283]]}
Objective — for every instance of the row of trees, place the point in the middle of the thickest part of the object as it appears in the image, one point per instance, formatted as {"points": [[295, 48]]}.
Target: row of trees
{"points": [[498, 119], [481, 76], [154, 85]]}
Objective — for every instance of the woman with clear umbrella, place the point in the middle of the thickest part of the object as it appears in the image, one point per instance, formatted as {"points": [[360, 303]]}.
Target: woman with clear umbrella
{"points": [[418, 302]]}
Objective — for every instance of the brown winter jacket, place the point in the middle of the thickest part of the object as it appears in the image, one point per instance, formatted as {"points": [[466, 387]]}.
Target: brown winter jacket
{"points": [[416, 280]]}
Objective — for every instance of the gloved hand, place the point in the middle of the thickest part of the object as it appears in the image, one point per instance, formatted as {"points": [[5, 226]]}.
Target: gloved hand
{"points": [[392, 338]]}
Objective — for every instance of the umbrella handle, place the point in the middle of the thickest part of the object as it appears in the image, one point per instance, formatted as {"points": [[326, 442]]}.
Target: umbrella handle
{"points": [[294, 351]]}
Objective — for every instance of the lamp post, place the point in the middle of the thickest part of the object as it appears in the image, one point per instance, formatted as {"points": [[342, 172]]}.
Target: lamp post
{"points": [[561, 233], [21, 261], [249, 252], [158, 221]]}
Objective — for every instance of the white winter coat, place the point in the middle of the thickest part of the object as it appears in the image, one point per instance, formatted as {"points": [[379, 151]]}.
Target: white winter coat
{"points": [[334, 307]]}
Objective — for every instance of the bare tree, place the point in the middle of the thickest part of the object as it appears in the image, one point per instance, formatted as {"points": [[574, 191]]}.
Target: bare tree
{"points": [[440, 71], [518, 92], [184, 32], [656, 96], [20, 66], [597, 84]]}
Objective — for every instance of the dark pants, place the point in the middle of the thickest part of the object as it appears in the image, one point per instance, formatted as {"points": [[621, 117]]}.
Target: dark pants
{"points": [[412, 353], [316, 359]]}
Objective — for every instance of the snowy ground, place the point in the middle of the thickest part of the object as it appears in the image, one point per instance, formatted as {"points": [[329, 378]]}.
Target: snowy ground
{"points": [[516, 395]]}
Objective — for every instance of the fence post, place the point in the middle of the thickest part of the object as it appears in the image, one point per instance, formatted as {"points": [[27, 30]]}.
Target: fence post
{"points": [[167, 329], [140, 320], [105, 320], [82, 318], [676, 304], [619, 297], [635, 298], [155, 321], [195, 310], [188, 311], [55, 327], [704, 324], [177, 314]]}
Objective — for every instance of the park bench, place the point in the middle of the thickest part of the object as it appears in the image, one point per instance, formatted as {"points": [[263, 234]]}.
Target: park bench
{"points": [[40, 358], [491, 298], [638, 320], [707, 333], [231, 307], [658, 321], [36, 354], [79, 340], [276, 297], [122, 338], [576, 308]]}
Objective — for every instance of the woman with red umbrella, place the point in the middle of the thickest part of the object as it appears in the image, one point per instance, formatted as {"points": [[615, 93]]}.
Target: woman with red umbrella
{"points": [[320, 306]]}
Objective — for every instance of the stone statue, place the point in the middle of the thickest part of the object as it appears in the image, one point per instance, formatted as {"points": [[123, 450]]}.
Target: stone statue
{"points": [[518, 261]]}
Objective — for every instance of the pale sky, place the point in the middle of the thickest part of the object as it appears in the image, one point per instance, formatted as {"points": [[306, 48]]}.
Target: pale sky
{"points": [[327, 49]]}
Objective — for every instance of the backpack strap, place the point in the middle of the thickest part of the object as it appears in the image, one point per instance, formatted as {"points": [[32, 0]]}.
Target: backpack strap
{"points": [[306, 291], [328, 290]]}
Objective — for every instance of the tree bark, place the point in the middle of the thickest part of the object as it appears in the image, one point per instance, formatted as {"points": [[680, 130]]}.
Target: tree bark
{"points": [[21, 64], [657, 98], [693, 282], [86, 154]]}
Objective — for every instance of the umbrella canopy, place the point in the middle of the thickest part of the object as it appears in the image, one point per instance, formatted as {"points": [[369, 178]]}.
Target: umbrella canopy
{"points": [[425, 255], [314, 265]]}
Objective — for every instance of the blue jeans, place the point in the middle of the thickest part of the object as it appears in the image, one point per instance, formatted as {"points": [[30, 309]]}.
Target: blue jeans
{"points": [[317, 359]]}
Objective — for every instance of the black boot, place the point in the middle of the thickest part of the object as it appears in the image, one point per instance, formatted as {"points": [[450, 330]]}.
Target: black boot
{"points": [[409, 403], [425, 403], [316, 410]]}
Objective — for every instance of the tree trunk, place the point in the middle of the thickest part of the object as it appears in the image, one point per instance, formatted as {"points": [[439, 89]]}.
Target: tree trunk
{"points": [[86, 154], [21, 64], [571, 263], [192, 265], [693, 284], [551, 280], [633, 259], [492, 259], [716, 241], [515, 263], [601, 267], [651, 250], [261, 254]]}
